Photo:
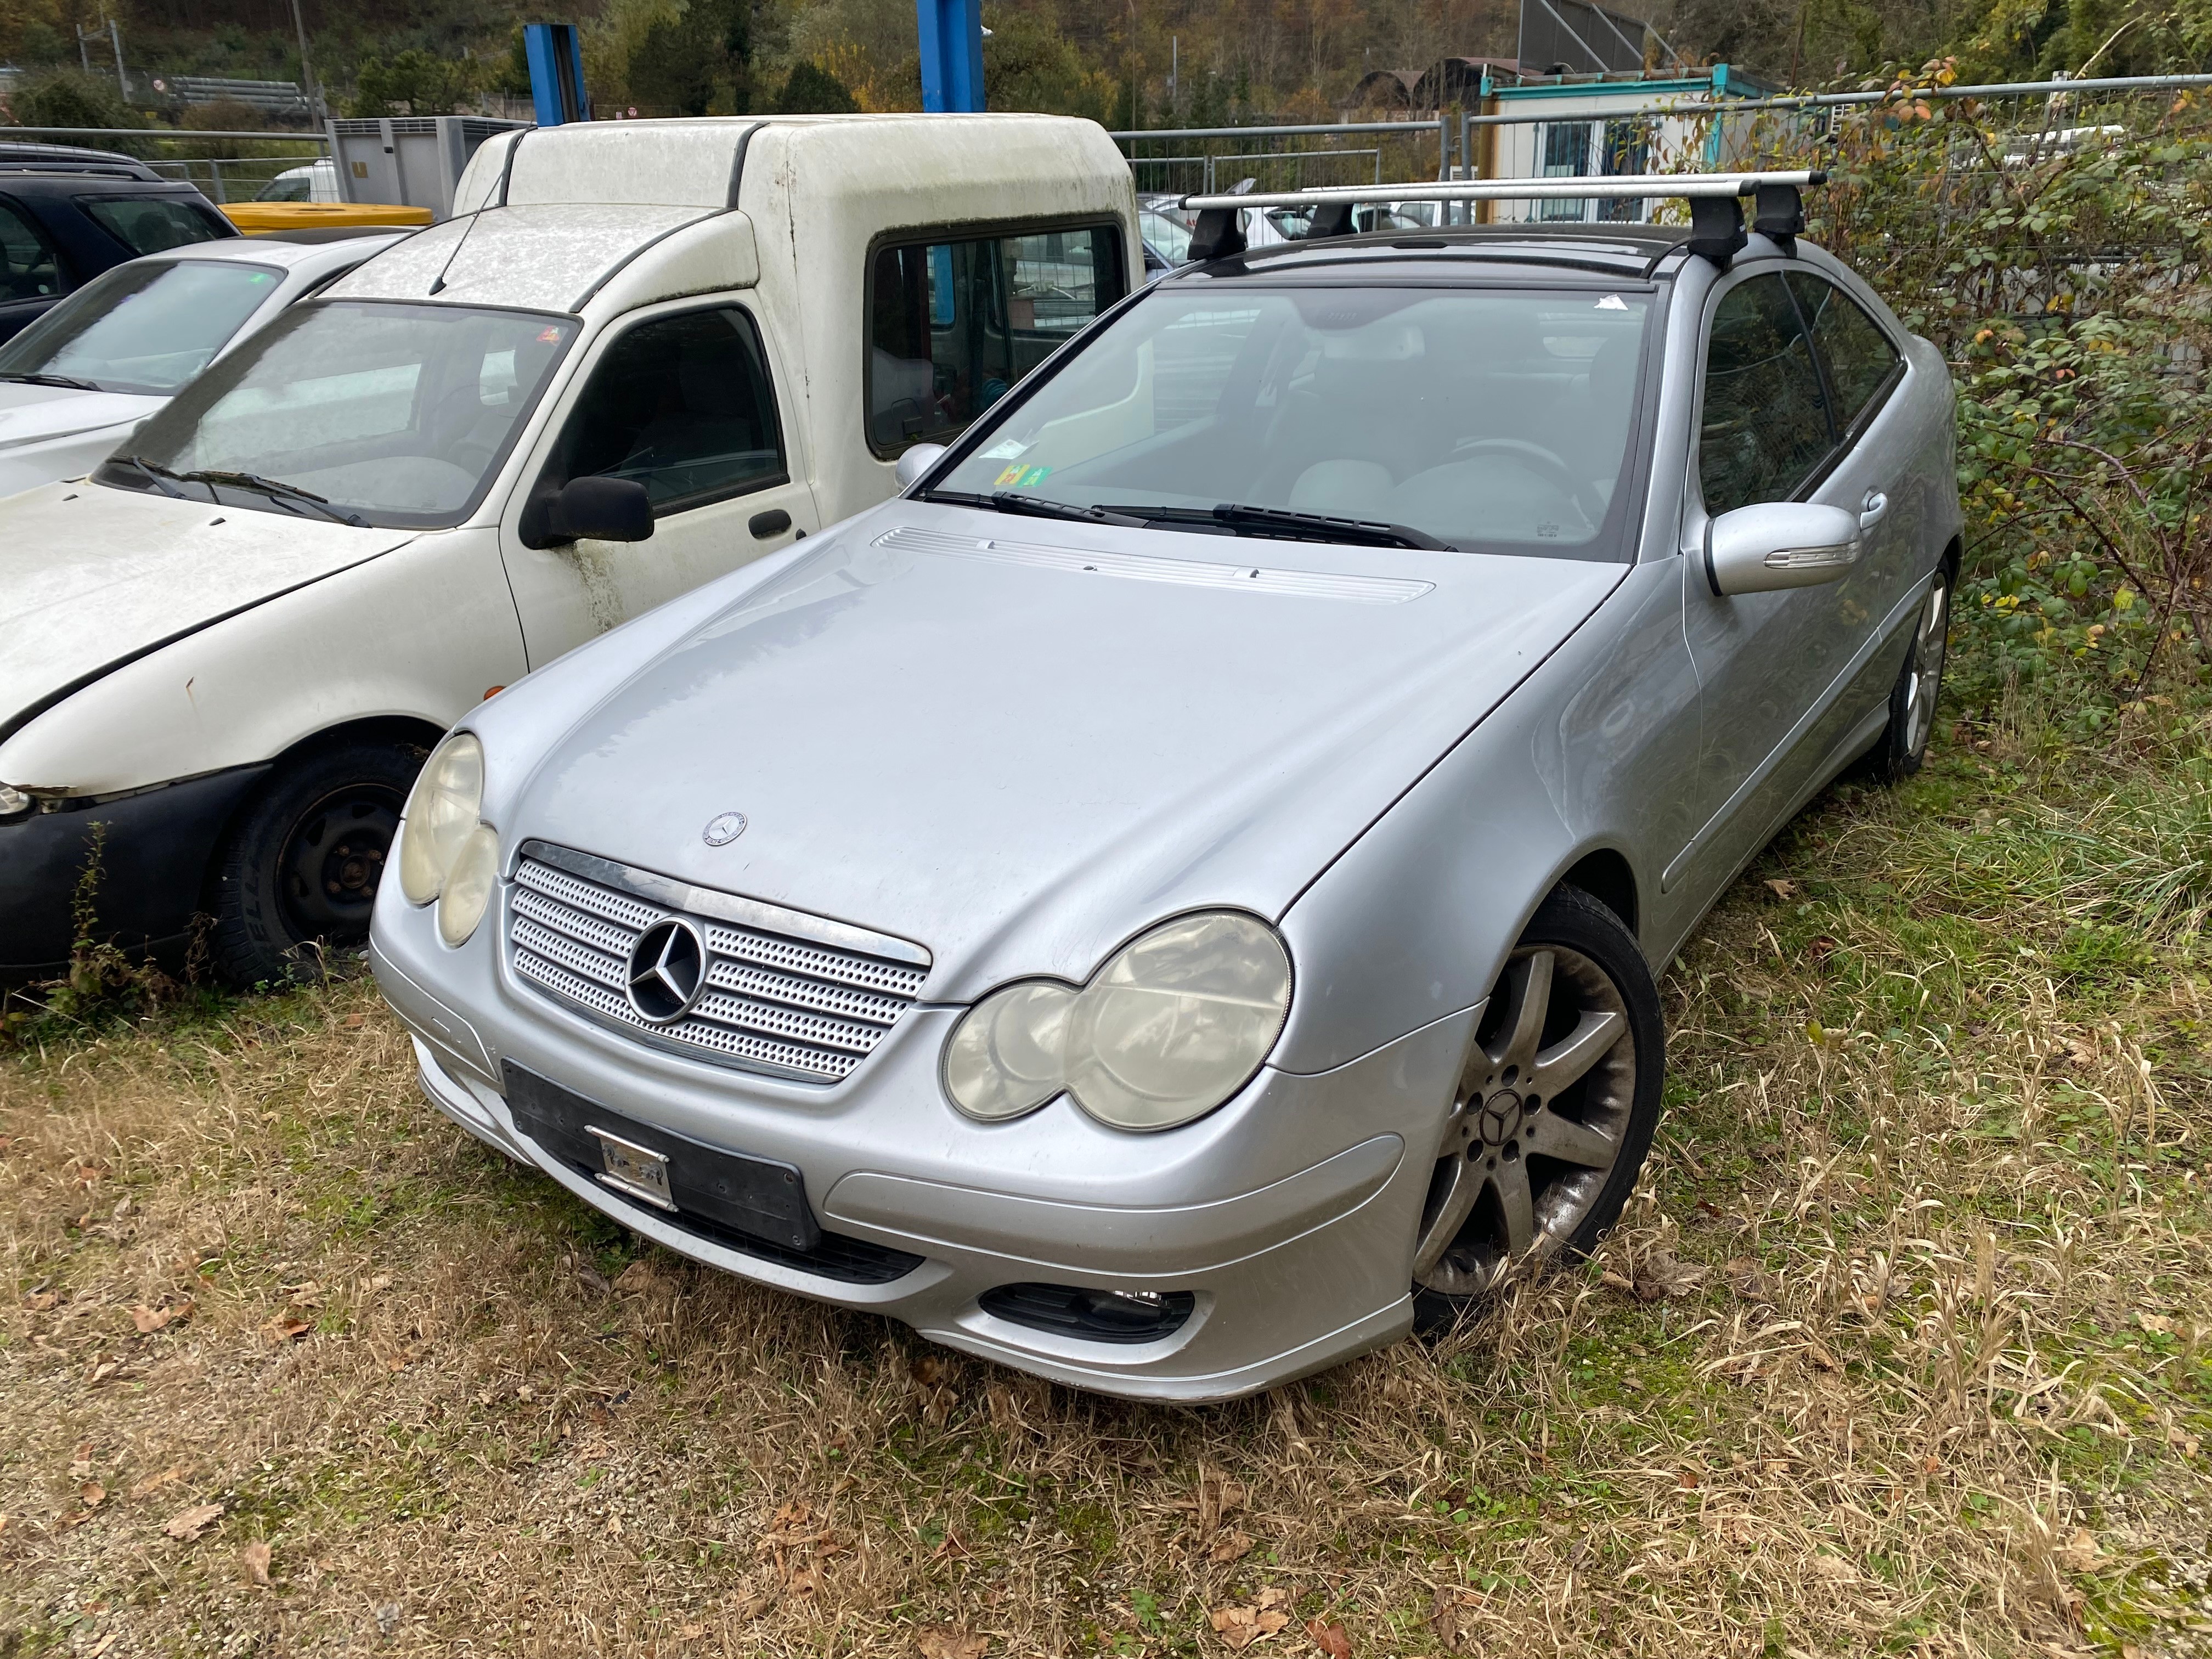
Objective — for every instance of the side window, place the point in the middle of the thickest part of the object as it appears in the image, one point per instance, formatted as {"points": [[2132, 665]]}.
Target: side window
{"points": [[681, 405], [27, 270], [150, 224], [1765, 424], [952, 325], [1858, 355]]}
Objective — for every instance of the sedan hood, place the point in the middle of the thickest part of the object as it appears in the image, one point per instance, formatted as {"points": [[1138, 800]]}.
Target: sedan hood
{"points": [[1016, 741], [34, 414], [91, 577]]}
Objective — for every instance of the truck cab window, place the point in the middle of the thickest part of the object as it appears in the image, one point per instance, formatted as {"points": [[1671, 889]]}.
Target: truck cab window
{"points": [[683, 405], [952, 325]]}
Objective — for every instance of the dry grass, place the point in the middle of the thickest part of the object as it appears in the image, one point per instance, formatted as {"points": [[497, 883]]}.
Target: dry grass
{"points": [[1904, 1347]]}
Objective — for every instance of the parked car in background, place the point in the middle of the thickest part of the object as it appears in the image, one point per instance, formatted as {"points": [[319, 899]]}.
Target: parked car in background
{"points": [[59, 229], [86, 374], [1166, 225], [1179, 891], [317, 181], [639, 356], [22, 157]]}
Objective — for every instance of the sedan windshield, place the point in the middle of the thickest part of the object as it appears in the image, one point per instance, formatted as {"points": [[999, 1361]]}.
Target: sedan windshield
{"points": [[369, 411], [145, 328], [1488, 420]]}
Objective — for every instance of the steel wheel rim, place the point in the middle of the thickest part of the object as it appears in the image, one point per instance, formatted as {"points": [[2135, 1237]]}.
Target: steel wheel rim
{"points": [[333, 860], [1537, 1124], [1927, 649]]}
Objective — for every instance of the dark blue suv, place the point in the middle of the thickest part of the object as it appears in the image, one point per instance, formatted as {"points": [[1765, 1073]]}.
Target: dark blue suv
{"points": [[67, 215]]}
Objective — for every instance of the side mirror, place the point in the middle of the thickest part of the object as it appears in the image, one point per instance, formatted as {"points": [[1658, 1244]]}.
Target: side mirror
{"points": [[1772, 545], [599, 509], [914, 461]]}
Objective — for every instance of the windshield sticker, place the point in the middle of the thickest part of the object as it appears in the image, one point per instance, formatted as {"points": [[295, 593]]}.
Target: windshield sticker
{"points": [[1022, 478], [1613, 302], [1004, 450]]}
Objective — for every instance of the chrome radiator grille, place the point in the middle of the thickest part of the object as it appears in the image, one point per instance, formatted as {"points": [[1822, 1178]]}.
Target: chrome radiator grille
{"points": [[785, 994]]}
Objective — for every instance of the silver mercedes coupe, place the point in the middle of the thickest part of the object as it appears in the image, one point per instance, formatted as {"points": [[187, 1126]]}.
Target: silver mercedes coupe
{"points": [[1173, 899]]}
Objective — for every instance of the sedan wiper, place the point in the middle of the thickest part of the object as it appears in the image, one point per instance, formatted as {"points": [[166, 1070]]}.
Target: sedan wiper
{"points": [[276, 489], [61, 380], [1296, 526], [1032, 507]]}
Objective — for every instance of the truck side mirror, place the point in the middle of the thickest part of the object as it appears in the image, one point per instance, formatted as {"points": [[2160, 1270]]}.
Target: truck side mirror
{"points": [[594, 508], [1771, 546], [914, 460]]}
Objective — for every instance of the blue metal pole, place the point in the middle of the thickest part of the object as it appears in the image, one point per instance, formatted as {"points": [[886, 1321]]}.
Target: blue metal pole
{"points": [[557, 73], [951, 34]]}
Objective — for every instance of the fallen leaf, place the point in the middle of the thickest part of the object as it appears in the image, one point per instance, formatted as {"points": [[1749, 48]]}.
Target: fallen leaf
{"points": [[280, 1331], [1660, 1275], [154, 1481], [639, 1279], [929, 1369], [691, 1632], [1687, 1480], [1450, 1619], [105, 1368], [1332, 1639], [1241, 1626], [92, 1493], [307, 1294], [2079, 1553], [1820, 1357], [1780, 889], [40, 1301], [950, 1642], [353, 1021], [382, 1282], [190, 1523], [1230, 1546], [255, 1560], [150, 1319], [1835, 1569]]}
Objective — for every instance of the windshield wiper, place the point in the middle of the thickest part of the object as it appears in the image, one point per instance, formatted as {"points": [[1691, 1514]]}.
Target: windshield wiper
{"points": [[61, 380], [276, 489], [1032, 507], [1296, 526], [159, 475]]}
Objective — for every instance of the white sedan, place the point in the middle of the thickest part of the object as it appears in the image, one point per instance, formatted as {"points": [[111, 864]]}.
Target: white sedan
{"points": [[80, 380]]}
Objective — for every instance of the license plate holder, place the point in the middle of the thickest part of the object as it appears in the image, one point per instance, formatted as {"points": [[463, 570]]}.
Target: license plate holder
{"points": [[632, 1170]]}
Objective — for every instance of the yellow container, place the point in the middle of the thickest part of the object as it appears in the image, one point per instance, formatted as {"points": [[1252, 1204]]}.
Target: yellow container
{"points": [[251, 216]]}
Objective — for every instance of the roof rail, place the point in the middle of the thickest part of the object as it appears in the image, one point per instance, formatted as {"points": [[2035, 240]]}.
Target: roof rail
{"points": [[1716, 229]]}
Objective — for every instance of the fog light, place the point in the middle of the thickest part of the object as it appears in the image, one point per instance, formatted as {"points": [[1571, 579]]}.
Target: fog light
{"points": [[1092, 1315]]}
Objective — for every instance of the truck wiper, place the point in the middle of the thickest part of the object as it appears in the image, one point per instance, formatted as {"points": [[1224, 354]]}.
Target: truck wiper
{"points": [[61, 380], [159, 475], [1296, 526], [276, 489], [1032, 507]]}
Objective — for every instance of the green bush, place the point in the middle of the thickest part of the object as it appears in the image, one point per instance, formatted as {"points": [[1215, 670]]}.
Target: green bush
{"points": [[70, 98]]}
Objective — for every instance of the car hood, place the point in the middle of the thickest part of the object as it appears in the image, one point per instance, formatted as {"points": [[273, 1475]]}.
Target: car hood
{"points": [[1016, 741], [35, 414], [91, 577]]}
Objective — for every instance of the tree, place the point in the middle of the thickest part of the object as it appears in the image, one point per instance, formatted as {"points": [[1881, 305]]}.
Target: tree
{"points": [[813, 90], [69, 98], [424, 82]]}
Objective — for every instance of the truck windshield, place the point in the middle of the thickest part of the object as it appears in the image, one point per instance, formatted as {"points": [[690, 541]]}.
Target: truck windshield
{"points": [[141, 328], [1490, 419], [370, 411]]}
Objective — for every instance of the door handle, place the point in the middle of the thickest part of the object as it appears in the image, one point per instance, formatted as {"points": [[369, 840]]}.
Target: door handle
{"points": [[773, 522], [1872, 508]]}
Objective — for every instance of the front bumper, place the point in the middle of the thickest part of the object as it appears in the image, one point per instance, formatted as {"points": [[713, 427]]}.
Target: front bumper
{"points": [[1289, 1214], [153, 865]]}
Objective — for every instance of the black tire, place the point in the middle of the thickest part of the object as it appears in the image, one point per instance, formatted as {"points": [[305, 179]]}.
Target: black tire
{"points": [[297, 875], [1902, 749], [1596, 961]]}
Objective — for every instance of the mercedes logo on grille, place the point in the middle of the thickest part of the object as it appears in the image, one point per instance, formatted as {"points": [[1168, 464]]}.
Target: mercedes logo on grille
{"points": [[667, 967]]}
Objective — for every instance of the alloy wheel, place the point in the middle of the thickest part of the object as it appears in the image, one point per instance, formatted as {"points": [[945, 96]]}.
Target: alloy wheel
{"points": [[1927, 647], [1538, 1122]]}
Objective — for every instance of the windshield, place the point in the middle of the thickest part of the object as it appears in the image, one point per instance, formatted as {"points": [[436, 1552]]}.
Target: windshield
{"points": [[1493, 421], [144, 328], [394, 414]]}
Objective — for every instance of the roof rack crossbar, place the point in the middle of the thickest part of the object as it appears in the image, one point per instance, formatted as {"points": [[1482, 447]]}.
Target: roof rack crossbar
{"points": [[1678, 186]]}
